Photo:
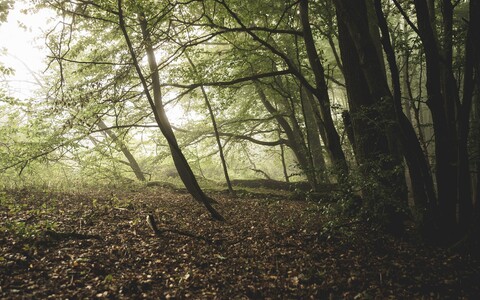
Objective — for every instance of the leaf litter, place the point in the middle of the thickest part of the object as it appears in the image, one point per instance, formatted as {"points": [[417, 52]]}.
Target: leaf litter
{"points": [[98, 245]]}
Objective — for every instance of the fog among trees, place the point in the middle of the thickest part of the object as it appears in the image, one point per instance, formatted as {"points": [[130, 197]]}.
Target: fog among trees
{"points": [[353, 117]]}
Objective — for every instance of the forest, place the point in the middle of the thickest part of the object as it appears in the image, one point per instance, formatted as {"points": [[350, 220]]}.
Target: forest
{"points": [[227, 149]]}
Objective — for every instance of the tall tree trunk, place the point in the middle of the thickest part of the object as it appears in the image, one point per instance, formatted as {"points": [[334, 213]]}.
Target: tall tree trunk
{"points": [[215, 129], [295, 140], [132, 162], [370, 94], [282, 157], [156, 105], [406, 89], [368, 140], [332, 139], [347, 123], [470, 86], [422, 182], [313, 137], [445, 147]]}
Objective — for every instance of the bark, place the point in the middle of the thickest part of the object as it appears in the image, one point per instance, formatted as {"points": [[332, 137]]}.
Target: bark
{"points": [[445, 147], [422, 182], [331, 137], [369, 93], [347, 123], [215, 129], [295, 140], [472, 69], [368, 141], [417, 109], [405, 80], [156, 105], [282, 157], [373, 26], [476, 146], [132, 162], [308, 144], [313, 138]]}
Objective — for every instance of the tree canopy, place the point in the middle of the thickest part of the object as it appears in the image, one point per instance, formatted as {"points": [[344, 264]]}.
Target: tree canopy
{"points": [[377, 97]]}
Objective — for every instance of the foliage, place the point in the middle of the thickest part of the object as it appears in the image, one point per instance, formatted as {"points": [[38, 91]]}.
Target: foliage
{"points": [[277, 98], [26, 220], [5, 6]]}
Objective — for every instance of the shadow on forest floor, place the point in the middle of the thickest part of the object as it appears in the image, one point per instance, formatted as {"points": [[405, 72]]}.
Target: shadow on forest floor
{"points": [[97, 244]]}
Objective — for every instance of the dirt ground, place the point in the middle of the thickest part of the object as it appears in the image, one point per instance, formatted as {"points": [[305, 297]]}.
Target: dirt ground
{"points": [[97, 244]]}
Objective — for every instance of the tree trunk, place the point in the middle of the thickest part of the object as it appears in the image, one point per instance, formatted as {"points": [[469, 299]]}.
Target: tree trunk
{"points": [[332, 139], [471, 85], [295, 140], [445, 147], [215, 129], [347, 123], [372, 104], [156, 105], [422, 182], [368, 140], [132, 162], [282, 157], [313, 137]]}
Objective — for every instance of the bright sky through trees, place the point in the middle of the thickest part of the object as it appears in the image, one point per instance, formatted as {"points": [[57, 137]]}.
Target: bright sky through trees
{"points": [[23, 49]]}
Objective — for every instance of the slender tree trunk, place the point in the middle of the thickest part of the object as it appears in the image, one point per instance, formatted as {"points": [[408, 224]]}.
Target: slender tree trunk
{"points": [[332, 139], [417, 106], [155, 102], [215, 129], [282, 156], [313, 137], [406, 90], [347, 123], [470, 86], [132, 162], [308, 144], [445, 147], [422, 182], [476, 147], [295, 140]]}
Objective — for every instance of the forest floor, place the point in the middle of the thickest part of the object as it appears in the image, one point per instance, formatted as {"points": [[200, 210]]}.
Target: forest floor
{"points": [[97, 245]]}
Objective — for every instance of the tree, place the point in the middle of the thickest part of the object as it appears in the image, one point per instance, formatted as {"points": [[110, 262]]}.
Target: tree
{"points": [[215, 129], [272, 74], [371, 108], [277, 48], [132, 162], [109, 19], [450, 114], [156, 105]]}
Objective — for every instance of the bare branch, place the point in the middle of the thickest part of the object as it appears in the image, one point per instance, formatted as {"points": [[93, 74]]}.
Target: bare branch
{"points": [[406, 17], [89, 62], [226, 83]]}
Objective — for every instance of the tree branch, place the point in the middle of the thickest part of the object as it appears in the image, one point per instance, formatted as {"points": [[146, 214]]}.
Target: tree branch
{"points": [[406, 17], [226, 83]]}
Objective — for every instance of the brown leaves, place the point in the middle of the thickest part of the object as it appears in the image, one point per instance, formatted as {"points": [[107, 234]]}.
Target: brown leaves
{"points": [[265, 249]]}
